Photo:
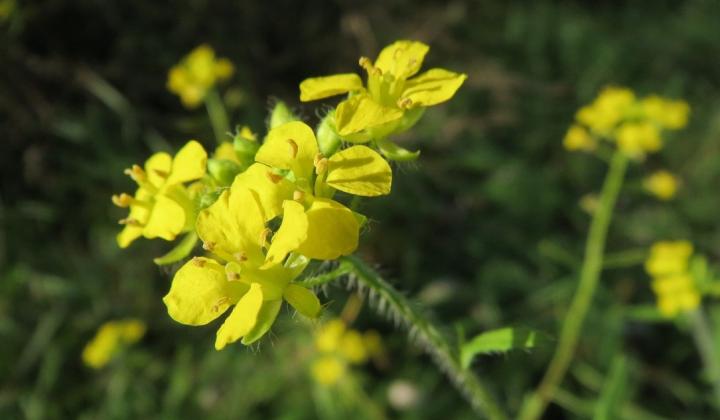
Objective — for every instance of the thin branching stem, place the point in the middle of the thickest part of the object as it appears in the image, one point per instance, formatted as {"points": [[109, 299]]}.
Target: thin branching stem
{"points": [[589, 275], [217, 114], [331, 275], [702, 334], [445, 356]]}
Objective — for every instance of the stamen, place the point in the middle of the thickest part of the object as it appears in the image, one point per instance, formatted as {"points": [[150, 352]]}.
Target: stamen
{"points": [[321, 166], [123, 200], [136, 173], [298, 196], [208, 246], [367, 64], [274, 178], [240, 256], [198, 262], [129, 221], [293, 148], [223, 300], [404, 103], [264, 236]]}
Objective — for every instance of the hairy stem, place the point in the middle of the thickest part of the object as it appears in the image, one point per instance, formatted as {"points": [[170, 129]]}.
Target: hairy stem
{"points": [[702, 334], [444, 355], [589, 275], [218, 116]]}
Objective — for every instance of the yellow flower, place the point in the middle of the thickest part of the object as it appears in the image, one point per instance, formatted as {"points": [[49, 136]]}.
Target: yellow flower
{"points": [[328, 370], [676, 293], [661, 184], [109, 339], [578, 138], [340, 346], [393, 99], [233, 231], [161, 206], [608, 109], [669, 114], [293, 179], [668, 258], [197, 73], [636, 139]]}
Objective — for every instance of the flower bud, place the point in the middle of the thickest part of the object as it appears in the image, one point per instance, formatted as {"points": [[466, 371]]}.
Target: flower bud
{"points": [[280, 115], [224, 171], [327, 136]]}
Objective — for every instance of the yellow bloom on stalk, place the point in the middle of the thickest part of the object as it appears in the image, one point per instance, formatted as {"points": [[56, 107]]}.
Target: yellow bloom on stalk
{"points": [[672, 283], [339, 347], [109, 339], [637, 138], [608, 109], [292, 179], [394, 97], [196, 74], [233, 231], [669, 114], [661, 184], [577, 138], [161, 207]]}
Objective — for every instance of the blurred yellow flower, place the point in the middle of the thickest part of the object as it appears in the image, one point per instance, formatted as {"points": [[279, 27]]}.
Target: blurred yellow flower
{"points": [[577, 138], [589, 203], [608, 109], [196, 74], [669, 114], [638, 138], [672, 283], [661, 184], [109, 339], [161, 206], [376, 111], [339, 347]]}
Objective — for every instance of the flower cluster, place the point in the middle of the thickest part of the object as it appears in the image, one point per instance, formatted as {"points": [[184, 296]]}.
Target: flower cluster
{"points": [[635, 125], [109, 339], [668, 264], [196, 74], [662, 184], [264, 210], [340, 347]]}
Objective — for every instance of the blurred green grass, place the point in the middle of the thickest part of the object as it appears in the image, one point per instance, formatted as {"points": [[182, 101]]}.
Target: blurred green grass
{"points": [[483, 215]]}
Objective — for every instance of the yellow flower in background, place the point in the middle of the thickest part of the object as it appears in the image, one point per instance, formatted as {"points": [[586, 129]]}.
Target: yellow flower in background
{"points": [[608, 109], [669, 114], [196, 74], [293, 179], [394, 97], [162, 206], [340, 347], [668, 258], [109, 339], [661, 184], [578, 138], [637, 139], [672, 283], [233, 231]]}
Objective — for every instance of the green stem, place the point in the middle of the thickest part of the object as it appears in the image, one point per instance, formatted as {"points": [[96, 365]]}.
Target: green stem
{"points": [[427, 334], [321, 279], [589, 276], [702, 334], [218, 116], [624, 259]]}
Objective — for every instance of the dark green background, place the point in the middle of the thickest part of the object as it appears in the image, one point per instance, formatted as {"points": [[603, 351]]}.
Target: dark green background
{"points": [[484, 229]]}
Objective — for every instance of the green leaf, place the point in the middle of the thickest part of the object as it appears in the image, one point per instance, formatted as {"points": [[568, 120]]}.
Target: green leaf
{"points": [[181, 250], [500, 341]]}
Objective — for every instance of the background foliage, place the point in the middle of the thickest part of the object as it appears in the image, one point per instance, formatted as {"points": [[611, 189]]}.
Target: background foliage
{"points": [[485, 229]]}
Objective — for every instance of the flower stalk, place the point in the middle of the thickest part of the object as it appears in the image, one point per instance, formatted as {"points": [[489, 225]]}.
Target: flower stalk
{"points": [[218, 116], [589, 275]]}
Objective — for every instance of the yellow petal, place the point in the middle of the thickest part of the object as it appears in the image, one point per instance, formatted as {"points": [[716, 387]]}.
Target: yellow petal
{"points": [[189, 163], [233, 224], [303, 300], [290, 146], [271, 194], [360, 113], [242, 318], [158, 168], [402, 58], [431, 88], [359, 170], [128, 235], [226, 151], [200, 292], [265, 319], [292, 233], [167, 219], [323, 87], [332, 231]]}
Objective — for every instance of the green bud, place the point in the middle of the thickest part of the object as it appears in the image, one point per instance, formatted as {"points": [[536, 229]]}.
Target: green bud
{"points": [[327, 136], [245, 149], [394, 152], [224, 171], [280, 115]]}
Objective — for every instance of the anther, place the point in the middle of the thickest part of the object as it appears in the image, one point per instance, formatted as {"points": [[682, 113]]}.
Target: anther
{"points": [[129, 221], [298, 196], [240, 256], [404, 103], [208, 246], [232, 276], [136, 173], [223, 300], [293, 148], [274, 178], [122, 200], [264, 236], [198, 262], [321, 166]]}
